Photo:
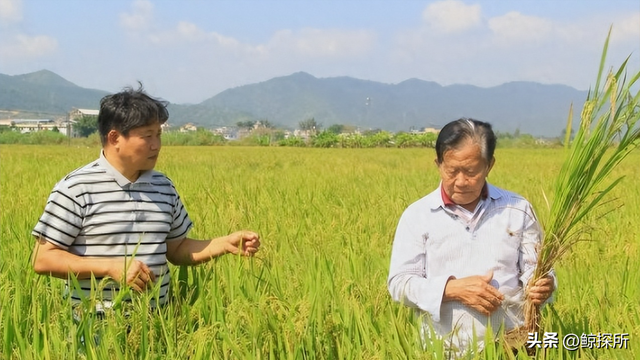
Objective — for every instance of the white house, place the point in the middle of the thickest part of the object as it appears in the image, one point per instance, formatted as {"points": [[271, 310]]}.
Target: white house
{"points": [[76, 113], [188, 127]]}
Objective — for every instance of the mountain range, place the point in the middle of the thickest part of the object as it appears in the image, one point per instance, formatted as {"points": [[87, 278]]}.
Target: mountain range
{"points": [[534, 108]]}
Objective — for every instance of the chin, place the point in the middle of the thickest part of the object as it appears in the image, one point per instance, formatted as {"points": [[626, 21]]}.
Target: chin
{"points": [[148, 167], [463, 201]]}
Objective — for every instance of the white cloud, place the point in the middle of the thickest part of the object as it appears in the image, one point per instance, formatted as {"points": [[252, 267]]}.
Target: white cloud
{"points": [[23, 47], [37, 45], [186, 32], [332, 43], [514, 46], [307, 42], [10, 11], [627, 29], [16, 46], [514, 28], [140, 16], [451, 16], [190, 31]]}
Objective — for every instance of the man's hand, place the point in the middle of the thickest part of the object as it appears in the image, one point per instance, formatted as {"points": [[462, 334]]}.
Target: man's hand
{"points": [[475, 292], [138, 275], [541, 291], [245, 243], [49, 259], [191, 252]]}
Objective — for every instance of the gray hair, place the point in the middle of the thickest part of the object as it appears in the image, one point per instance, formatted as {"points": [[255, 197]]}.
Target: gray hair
{"points": [[456, 132]]}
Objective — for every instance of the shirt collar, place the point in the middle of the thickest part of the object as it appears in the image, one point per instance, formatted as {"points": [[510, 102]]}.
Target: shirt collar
{"points": [[442, 199], [145, 176], [446, 200]]}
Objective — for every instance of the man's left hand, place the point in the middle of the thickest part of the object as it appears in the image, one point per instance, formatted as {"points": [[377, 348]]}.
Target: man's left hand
{"points": [[541, 290], [245, 243]]}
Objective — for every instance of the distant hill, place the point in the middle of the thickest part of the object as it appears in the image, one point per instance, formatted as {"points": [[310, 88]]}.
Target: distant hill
{"points": [[530, 107], [45, 92]]}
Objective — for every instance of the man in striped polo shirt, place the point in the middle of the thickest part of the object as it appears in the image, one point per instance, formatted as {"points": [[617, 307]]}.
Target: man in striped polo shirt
{"points": [[118, 219]]}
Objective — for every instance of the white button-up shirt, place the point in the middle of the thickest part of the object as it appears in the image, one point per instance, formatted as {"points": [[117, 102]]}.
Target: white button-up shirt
{"points": [[434, 242]]}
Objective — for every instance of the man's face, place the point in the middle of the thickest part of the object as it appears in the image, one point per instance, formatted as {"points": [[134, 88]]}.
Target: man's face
{"points": [[139, 150], [463, 172]]}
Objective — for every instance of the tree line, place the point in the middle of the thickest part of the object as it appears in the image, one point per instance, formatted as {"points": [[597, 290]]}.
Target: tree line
{"points": [[265, 133]]}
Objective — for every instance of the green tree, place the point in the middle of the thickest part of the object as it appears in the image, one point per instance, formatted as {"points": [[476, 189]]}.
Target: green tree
{"points": [[310, 125], [5, 128], [427, 139], [563, 134], [325, 139], [403, 139], [380, 139], [267, 124], [277, 135], [516, 134], [86, 125], [246, 124], [292, 141], [336, 129]]}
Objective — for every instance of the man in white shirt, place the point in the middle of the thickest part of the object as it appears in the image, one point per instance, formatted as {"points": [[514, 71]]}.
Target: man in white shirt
{"points": [[463, 254]]}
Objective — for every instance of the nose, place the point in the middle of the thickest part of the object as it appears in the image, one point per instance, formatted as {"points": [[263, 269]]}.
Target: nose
{"points": [[156, 144], [461, 179]]}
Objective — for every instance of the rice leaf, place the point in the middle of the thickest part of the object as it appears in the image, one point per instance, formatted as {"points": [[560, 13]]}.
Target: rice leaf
{"points": [[608, 132]]}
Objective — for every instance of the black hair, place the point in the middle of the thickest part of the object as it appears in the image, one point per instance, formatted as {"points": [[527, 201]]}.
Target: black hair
{"points": [[456, 132], [129, 109]]}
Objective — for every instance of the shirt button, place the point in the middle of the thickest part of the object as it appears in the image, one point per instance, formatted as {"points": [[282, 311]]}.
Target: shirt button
{"points": [[467, 228]]}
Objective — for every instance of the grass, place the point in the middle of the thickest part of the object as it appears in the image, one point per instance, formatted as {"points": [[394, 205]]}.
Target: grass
{"points": [[317, 289]]}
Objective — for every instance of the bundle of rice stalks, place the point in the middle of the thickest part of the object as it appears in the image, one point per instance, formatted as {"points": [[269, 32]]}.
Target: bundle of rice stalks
{"points": [[609, 131]]}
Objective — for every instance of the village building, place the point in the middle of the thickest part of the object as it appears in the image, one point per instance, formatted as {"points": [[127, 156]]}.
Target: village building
{"points": [[33, 125], [78, 113], [188, 127]]}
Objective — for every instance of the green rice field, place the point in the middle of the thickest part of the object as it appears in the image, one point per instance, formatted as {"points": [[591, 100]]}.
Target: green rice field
{"points": [[317, 289]]}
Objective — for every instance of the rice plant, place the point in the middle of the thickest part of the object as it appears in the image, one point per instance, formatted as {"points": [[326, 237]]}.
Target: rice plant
{"points": [[608, 132], [317, 289]]}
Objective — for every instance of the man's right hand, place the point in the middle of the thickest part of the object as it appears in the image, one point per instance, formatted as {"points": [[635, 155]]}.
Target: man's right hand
{"points": [[138, 275], [49, 259], [475, 292]]}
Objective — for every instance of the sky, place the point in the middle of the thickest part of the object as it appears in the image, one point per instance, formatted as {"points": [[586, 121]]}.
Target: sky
{"points": [[190, 50]]}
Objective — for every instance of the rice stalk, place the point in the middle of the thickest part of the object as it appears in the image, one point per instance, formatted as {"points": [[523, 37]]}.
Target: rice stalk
{"points": [[608, 132]]}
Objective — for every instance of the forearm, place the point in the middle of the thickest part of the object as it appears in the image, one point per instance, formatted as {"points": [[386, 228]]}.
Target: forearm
{"points": [[192, 252], [49, 260]]}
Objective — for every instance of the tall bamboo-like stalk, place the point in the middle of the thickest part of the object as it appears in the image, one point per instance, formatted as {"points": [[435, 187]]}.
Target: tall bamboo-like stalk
{"points": [[609, 131]]}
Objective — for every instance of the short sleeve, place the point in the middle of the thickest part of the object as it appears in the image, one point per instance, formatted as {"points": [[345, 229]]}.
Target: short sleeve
{"points": [[181, 223], [62, 218]]}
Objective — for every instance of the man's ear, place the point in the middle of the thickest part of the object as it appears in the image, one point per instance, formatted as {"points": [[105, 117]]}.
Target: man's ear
{"points": [[435, 161], [113, 138], [493, 161]]}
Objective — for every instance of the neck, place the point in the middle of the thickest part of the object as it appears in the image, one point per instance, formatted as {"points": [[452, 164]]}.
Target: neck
{"points": [[112, 157], [472, 205]]}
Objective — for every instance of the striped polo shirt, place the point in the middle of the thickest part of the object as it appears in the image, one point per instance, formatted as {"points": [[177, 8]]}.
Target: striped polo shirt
{"points": [[96, 211]]}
